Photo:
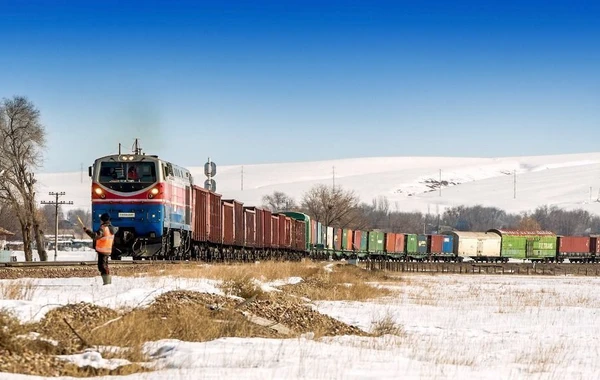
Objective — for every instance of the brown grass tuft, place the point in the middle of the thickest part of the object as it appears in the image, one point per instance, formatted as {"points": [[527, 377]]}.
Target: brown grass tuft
{"points": [[242, 285], [345, 282], [387, 326], [17, 290]]}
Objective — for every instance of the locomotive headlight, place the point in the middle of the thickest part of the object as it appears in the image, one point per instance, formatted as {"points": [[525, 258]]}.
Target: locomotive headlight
{"points": [[152, 193], [98, 191]]}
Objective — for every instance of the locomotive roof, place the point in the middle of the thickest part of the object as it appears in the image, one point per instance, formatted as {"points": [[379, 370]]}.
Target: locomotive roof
{"points": [[138, 157], [522, 232]]}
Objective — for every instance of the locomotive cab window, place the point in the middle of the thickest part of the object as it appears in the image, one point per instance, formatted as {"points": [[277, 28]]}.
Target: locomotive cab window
{"points": [[127, 176]]}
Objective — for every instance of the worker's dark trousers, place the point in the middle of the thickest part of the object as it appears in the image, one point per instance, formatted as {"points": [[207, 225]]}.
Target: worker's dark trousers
{"points": [[103, 264]]}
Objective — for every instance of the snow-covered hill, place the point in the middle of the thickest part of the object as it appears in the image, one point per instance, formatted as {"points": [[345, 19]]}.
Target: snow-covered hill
{"points": [[410, 183]]}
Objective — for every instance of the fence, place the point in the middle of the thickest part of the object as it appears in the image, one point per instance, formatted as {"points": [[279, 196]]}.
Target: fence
{"points": [[466, 268]]}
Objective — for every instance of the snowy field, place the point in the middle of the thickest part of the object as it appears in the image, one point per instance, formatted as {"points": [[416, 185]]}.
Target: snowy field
{"points": [[452, 327], [566, 181]]}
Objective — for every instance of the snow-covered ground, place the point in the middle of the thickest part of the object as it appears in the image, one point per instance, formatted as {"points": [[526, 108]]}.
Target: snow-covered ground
{"points": [[454, 327], [567, 181]]}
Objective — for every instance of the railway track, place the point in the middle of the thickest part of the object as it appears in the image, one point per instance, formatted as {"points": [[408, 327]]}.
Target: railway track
{"points": [[547, 269], [9, 269]]}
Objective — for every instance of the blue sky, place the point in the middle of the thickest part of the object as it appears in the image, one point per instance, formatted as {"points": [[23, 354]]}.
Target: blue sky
{"points": [[255, 82]]}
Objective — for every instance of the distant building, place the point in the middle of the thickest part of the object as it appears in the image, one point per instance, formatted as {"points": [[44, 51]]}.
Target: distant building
{"points": [[4, 234]]}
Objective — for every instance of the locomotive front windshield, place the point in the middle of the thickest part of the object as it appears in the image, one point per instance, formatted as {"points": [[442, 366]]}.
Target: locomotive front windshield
{"points": [[127, 176]]}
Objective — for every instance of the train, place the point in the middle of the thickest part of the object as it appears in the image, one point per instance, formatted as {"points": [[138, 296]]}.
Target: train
{"points": [[162, 214]]}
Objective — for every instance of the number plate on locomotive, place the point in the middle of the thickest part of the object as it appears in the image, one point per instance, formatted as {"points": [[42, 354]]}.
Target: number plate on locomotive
{"points": [[127, 215]]}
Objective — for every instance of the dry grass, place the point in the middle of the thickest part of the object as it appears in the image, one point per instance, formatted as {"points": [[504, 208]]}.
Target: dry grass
{"points": [[344, 282], [387, 326], [180, 315], [17, 290], [242, 285], [264, 271]]}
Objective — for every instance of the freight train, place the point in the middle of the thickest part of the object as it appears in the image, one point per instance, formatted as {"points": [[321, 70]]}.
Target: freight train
{"points": [[162, 214]]}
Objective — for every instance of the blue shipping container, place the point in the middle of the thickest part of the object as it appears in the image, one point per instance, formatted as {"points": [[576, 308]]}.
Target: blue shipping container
{"points": [[448, 244]]}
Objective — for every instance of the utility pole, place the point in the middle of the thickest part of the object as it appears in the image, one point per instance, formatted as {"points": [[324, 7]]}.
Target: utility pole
{"points": [[242, 177], [334, 178], [515, 185], [56, 203], [440, 182]]}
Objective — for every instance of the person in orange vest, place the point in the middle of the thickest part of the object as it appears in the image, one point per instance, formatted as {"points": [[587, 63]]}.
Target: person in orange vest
{"points": [[103, 243]]}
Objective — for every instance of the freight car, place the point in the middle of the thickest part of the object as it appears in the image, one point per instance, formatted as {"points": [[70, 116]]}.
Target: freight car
{"points": [[161, 213]]}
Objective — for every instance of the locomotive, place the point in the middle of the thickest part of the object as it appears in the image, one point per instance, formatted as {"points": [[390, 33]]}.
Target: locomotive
{"points": [[148, 198]]}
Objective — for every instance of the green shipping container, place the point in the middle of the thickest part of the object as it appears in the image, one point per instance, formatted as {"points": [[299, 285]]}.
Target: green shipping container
{"points": [[528, 247], [410, 244], [527, 244], [376, 241], [364, 241]]}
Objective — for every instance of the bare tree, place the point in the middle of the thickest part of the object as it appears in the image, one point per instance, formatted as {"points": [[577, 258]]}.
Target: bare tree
{"points": [[47, 212], [332, 206], [9, 220], [22, 138], [279, 201], [529, 224]]}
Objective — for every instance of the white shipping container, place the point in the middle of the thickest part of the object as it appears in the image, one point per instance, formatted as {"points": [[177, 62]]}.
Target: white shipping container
{"points": [[329, 237], [477, 244]]}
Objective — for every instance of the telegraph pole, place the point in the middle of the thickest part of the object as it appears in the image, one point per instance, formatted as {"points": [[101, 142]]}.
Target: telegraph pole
{"points": [[56, 203], [440, 182], [333, 178], [515, 185]]}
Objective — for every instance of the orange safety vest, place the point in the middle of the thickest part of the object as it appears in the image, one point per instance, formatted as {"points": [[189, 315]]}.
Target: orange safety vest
{"points": [[105, 243]]}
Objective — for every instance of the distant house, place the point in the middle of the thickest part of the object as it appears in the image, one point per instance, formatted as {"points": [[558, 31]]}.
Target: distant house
{"points": [[4, 234]]}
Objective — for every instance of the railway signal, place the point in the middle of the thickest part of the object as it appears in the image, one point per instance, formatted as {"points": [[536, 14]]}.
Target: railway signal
{"points": [[210, 170]]}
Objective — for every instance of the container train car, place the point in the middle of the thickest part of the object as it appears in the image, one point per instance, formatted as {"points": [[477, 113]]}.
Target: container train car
{"points": [[161, 213]]}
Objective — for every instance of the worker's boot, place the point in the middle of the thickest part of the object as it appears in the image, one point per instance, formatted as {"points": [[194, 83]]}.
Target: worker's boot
{"points": [[106, 279]]}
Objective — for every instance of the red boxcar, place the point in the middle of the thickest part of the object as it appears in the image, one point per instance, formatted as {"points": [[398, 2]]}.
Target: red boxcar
{"points": [[285, 231], [595, 245], [337, 239], [249, 227], [260, 235], [268, 228], [435, 243], [201, 214], [238, 221], [349, 239], [573, 244], [399, 243], [298, 235], [390, 242], [228, 227], [275, 231], [215, 234], [356, 241]]}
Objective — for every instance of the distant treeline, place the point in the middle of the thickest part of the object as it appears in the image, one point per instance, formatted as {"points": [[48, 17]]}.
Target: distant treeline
{"points": [[341, 208]]}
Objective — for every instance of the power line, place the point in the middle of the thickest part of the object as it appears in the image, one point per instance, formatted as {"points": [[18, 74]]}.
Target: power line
{"points": [[56, 203]]}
